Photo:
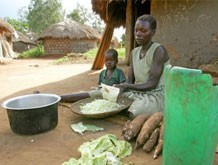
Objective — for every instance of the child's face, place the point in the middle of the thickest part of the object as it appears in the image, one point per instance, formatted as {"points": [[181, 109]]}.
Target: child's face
{"points": [[109, 61]]}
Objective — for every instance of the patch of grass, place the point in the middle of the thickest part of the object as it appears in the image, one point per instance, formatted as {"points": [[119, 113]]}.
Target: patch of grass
{"points": [[92, 53], [121, 52], [62, 60], [73, 58], [33, 53]]}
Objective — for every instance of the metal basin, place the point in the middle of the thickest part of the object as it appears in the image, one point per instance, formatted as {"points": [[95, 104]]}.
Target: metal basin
{"points": [[32, 114]]}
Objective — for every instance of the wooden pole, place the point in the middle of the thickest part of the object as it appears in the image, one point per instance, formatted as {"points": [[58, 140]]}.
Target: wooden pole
{"points": [[129, 29], [104, 45]]}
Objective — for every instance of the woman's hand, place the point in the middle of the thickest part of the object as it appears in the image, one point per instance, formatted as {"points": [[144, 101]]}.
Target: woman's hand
{"points": [[123, 87]]}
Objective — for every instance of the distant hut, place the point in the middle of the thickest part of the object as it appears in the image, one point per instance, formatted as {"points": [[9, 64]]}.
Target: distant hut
{"points": [[6, 33], [22, 43], [32, 36], [114, 43], [68, 37]]}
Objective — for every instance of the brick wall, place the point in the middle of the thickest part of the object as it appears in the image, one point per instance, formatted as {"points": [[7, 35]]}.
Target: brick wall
{"points": [[65, 45]]}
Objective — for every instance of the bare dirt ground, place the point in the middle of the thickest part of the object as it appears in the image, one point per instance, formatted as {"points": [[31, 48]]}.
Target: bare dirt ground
{"points": [[58, 145]]}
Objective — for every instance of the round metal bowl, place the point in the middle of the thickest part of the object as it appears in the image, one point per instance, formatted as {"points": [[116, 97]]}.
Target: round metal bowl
{"points": [[126, 102], [33, 113]]}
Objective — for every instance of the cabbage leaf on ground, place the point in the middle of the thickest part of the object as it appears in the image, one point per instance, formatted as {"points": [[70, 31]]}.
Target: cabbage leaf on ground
{"points": [[80, 127], [106, 150]]}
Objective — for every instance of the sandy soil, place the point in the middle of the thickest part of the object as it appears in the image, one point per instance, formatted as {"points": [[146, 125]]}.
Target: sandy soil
{"points": [[58, 145]]}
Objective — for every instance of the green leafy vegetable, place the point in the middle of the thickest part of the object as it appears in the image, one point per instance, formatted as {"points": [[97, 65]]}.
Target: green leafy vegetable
{"points": [[106, 150], [80, 128]]}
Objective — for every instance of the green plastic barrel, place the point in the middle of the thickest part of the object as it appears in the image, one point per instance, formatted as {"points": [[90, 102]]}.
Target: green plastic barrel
{"points": [[190, 116]]}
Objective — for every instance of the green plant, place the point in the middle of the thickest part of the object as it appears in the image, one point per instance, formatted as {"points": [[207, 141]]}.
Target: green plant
{"points": [[33, 53], [73, 57], [62, 60], [91, 53], [121, 52]]}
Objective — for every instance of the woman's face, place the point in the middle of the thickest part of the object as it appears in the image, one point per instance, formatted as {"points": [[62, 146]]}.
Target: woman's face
{"points": [[143, 32], [110, 61]]}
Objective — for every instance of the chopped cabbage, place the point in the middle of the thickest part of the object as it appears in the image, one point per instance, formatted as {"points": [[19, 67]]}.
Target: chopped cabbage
{"points": [[99, 106]]}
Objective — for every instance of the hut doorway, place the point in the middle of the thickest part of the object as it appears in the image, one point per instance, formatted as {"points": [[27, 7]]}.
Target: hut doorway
{"points": [[134, 9]]}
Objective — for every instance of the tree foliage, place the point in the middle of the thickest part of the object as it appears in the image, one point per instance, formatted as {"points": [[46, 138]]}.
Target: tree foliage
{"points": [[22, 14], [79, 14], [18, 25], [123, 39], [42, 13], [86, 17]]}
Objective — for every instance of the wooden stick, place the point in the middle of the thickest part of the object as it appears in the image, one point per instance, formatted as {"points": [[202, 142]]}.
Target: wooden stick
{"points": [[104, 45]]}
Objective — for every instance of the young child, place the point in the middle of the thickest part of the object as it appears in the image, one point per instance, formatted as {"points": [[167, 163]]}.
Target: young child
{"points": [[109, 76]]}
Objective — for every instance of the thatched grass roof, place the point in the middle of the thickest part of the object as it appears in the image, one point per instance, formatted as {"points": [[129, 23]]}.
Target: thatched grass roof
{"points": [[22, 38], [111, 11], [6, 27], [32, 36], [69, 29]]}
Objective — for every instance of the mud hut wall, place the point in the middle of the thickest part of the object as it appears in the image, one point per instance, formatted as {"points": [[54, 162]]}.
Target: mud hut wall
{"points": [[82, 46], [1, 49], [22, 46], [66, 45], [188, 29], [56, 46]]}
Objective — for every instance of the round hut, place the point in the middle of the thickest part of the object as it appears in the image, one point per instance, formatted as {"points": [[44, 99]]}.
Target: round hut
{"points": [[68, 37], [22, 43], [114, 43], [6, 33], [32, 36]]}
